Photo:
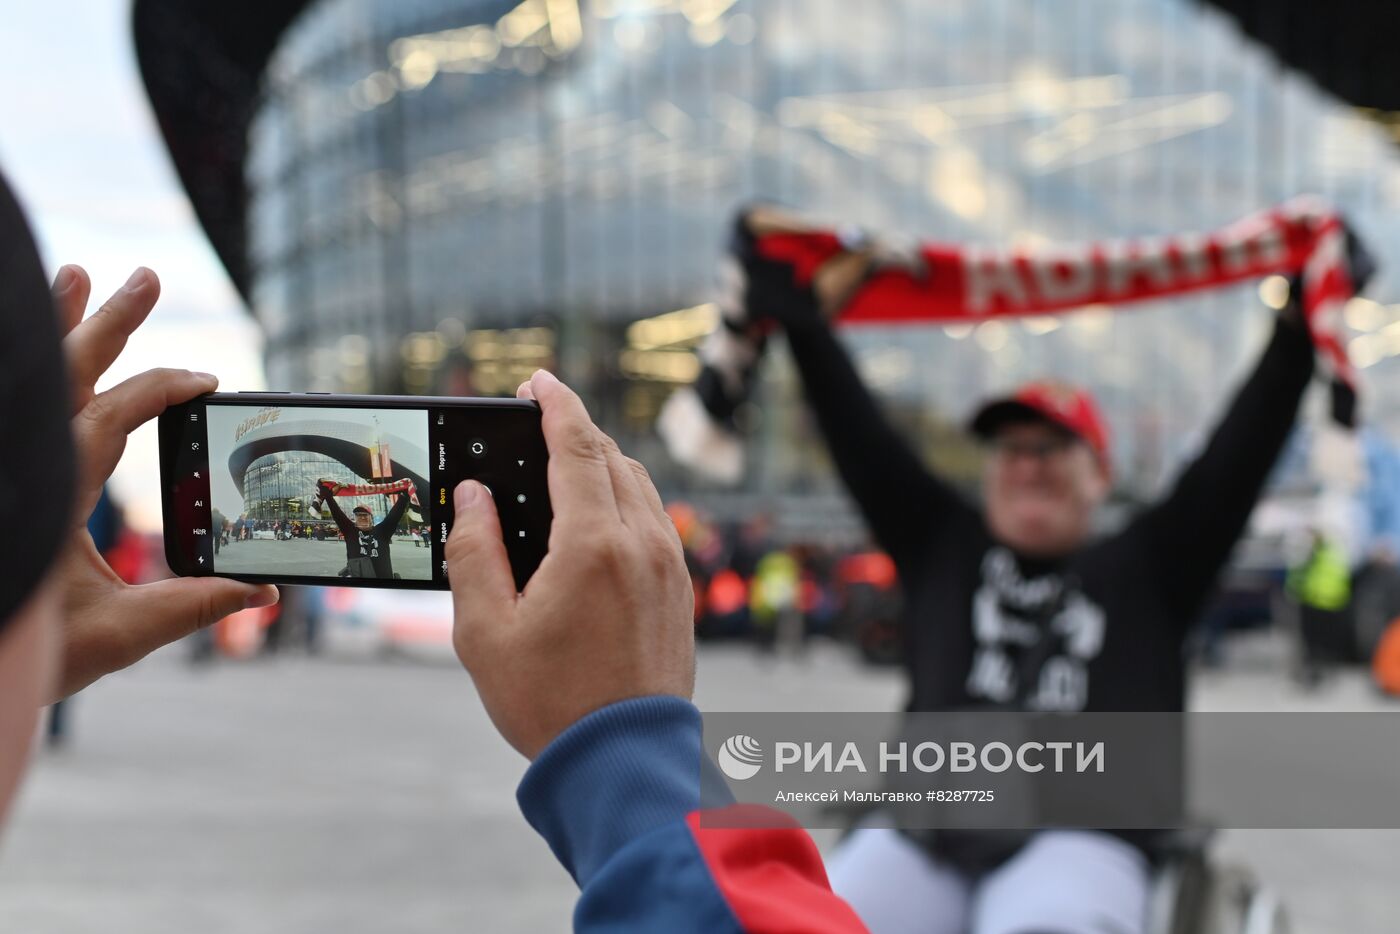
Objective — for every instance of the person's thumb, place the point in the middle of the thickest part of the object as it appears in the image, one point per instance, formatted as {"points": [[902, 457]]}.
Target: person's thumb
{"points": [[181, 605], [478, 569]]}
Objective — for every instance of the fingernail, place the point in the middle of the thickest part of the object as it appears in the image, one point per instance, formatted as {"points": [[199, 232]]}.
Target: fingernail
{"points": [[64, 280], [547, 376], [207, 377], [467, 493], [260, 598], [137, 279]]}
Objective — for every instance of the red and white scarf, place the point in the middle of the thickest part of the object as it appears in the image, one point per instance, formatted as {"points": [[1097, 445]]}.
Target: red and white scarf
{"points": [[955, 284], [336, 488]]}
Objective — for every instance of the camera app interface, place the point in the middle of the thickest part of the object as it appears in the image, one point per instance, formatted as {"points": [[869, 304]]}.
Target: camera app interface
{"points": [[320, 492]]}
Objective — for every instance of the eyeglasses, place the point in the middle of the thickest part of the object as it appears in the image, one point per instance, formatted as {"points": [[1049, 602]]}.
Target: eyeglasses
{"points": [[1040, 449]]}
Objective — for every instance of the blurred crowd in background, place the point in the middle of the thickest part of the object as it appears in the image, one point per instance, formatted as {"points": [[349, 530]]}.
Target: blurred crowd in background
{"points": [[1337, 602]]}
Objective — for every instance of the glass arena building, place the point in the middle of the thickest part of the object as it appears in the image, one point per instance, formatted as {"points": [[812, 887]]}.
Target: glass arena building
{"points": [[445, 194]]}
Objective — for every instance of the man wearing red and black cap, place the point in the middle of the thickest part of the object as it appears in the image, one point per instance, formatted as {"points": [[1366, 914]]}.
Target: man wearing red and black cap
{"points": [[1069, 407], [1048, 466], [1013, 604]]}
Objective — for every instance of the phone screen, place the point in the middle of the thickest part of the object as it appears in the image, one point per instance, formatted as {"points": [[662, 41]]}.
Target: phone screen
{"points": [[342, 489]]}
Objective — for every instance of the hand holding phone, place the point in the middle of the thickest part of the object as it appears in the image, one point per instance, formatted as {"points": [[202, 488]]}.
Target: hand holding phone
{"points": [[109, 624], [609, 615]]}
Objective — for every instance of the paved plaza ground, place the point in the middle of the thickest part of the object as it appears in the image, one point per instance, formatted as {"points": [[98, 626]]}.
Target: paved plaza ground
{"points": [[336, 795], [309, 557]]}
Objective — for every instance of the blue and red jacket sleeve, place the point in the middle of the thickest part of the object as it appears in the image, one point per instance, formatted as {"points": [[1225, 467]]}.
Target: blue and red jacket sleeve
{"points": [[616, 796]]}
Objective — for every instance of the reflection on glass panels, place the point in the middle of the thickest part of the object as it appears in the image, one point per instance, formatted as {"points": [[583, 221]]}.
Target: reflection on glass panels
{"points": [[283, 486], [448, 193]]}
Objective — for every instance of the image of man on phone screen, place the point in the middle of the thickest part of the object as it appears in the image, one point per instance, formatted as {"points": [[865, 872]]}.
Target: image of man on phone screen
{"points": [[366, 544]]}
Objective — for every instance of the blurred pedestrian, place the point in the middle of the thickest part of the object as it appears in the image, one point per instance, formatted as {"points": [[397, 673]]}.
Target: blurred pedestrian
{"points": [[105, 527], [773, 609], [870, 604], [727, 602], [1320, 588], [817, 599]]}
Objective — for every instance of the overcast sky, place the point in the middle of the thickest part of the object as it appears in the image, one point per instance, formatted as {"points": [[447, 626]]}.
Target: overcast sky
{"points": [[80, 146]]}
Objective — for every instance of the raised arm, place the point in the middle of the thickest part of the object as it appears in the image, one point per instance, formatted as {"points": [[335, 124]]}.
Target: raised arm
{"points": [[341, 519], [900, 498], [1189, 535], [391, 521]]}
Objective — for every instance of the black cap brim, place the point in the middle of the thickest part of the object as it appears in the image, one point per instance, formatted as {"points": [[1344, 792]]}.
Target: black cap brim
{"points": [[999, 413]]}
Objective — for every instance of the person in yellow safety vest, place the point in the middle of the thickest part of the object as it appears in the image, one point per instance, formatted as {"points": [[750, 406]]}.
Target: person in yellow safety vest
{"points": [[773, 598], [1321, 586], [1323, 580]]}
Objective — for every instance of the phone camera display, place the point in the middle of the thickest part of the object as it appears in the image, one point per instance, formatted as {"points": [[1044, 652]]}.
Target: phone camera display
{"points": [[284, 489], [320, 492]]}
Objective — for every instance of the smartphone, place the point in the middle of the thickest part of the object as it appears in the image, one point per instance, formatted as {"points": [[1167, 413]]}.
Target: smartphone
{"points": [[314, 488]]}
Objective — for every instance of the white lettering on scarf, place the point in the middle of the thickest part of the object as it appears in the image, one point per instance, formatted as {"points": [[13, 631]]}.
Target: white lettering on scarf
{"points": [[991, 274], [1064, 276]]}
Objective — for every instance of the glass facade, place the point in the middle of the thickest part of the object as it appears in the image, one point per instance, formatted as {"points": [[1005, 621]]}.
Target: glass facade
{"points": [[275, 487], [449, 193]]}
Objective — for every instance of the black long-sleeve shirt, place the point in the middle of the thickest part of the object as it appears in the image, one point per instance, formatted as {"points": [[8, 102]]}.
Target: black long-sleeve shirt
{"points": [[1100, 629], [374, 543]]}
